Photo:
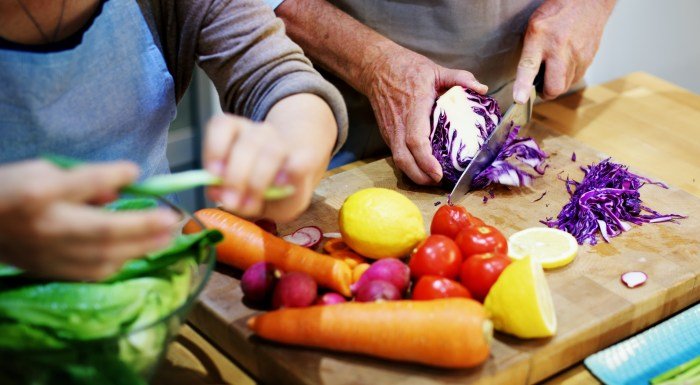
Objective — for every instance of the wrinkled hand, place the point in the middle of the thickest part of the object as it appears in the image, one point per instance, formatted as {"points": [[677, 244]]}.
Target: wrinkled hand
{"points": [[564, 34], [402, 88], [48, 227], [253, 156]]}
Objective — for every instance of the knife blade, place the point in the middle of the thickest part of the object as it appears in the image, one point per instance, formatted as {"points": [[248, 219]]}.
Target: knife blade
{"points": [[517, 114]]}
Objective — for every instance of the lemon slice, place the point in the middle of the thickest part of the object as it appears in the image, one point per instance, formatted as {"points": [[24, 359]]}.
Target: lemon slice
{"points": [[520, 302], [551, 247]]}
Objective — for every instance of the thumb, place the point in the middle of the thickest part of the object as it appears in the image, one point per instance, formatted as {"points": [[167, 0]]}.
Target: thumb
{"points": [[448, 77], [528, 66]]}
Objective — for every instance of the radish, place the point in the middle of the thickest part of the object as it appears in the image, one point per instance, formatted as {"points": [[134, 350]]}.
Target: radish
{"points": [[377, 290], [332, 235], [633, 279], [330, 299], [308, 236], [259, 281], [390, 270], [294, 289]]}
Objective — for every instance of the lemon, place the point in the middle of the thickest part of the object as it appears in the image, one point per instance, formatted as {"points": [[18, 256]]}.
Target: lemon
{"points": [[520, 302], [551, 247], [381, 223]]}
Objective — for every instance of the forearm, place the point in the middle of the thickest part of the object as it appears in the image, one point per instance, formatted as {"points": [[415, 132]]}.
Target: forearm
{"points": [[335, 41], [306, 121]]}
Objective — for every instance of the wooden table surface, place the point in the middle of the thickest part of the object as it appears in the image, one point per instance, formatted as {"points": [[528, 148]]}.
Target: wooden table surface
{"points": [[599, 117]]}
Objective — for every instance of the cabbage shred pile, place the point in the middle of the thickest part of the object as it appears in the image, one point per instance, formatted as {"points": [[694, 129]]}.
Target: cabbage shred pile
{"points": [[461, 122], [607, 199]]}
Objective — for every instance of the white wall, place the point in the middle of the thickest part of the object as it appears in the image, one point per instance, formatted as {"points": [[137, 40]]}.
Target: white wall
{"points": [[661, 37]]}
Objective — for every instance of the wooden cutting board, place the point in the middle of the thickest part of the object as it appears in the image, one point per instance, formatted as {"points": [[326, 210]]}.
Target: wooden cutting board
{"points": [[593, 308]]}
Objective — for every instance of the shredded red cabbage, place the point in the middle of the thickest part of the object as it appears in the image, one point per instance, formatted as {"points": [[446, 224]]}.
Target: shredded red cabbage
{"points": [[607, 199], [460, 123], [504, 170]]}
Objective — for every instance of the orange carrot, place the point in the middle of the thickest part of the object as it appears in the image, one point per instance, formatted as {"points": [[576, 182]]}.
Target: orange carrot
{"points": [[348, 256], [358, 270], [244, 244], [450, 333], [334, 244]]}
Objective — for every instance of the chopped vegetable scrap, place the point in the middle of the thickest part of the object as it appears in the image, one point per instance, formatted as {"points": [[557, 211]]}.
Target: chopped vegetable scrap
{"points": [[573, 156], [633, 279], [607, 199], [540, 198], [461, 122]]}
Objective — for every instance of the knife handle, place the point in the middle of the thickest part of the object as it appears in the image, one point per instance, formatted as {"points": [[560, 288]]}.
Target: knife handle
{"points": [[539, 79]]}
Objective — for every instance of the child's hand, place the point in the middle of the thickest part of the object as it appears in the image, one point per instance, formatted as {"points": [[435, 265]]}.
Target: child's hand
{"points": [[292, 148], [49, 228]]}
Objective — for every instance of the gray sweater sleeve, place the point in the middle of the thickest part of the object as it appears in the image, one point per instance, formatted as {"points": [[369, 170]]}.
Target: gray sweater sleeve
{"points": [[242, 47]]}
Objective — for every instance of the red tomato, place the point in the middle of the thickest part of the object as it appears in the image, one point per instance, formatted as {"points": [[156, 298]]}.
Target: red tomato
{"points": [[436, 255], [449, 220], [481, 239], [433, 287], [480, 272]]}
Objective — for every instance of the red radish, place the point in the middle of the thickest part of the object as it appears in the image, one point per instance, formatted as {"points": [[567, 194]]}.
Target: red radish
{"points": [[377, 290], [294, 289], [267, 225], [259, 281], [309, 236], [633, 279], [390, 270], [332, 235], [330, 299]]}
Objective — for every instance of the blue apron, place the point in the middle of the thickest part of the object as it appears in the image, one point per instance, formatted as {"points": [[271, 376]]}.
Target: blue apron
{"points": [[110, 97]]}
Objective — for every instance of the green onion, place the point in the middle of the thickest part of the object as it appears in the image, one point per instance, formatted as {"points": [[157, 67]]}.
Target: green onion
{"points": [[176, 182], [684, 372]]}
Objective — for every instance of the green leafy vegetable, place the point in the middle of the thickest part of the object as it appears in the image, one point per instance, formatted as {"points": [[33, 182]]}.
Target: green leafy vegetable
{"points": [[132, 204]]}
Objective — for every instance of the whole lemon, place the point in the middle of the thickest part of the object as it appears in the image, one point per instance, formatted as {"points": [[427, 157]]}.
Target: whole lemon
{"points": [[381, 223]]}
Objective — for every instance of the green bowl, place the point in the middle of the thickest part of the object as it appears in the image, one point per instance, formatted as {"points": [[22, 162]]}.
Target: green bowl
{"points": [[119, 340]]}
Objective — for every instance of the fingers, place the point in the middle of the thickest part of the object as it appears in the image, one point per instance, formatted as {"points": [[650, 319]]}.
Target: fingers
{"points": [[29, 186], [405, 161], [529, 64], [418, 144], [221, 132], [450, 77], [94, 181], [249, 157], [80, 223], [557, 78]]}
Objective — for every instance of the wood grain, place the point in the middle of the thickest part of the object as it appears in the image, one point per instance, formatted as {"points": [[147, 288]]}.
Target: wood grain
{"points": [[593, 308]]}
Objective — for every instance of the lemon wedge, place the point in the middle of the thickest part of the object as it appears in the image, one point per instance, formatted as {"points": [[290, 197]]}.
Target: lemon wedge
{"points": [[381, 223], [520, 302], [551, 247]]}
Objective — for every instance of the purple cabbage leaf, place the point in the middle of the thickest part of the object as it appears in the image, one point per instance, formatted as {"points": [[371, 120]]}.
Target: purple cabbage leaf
{"points": [[607, 199], [460, 123]]}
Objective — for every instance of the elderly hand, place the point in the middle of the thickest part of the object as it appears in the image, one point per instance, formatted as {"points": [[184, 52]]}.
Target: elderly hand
{"points": [[49, 228], [402, 88], [564, 34]]}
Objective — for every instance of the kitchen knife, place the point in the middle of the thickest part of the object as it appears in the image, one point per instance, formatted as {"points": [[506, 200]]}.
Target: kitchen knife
{"points": [[517, 114]]}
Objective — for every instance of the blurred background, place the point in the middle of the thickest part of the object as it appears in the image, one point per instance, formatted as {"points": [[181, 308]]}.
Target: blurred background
{"points": [[642, 35]]}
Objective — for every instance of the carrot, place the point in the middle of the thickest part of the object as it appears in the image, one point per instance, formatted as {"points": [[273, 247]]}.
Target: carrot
{"points": [[358, 270], [244, 244], [348, 256], [334, 244], [449, 333]]}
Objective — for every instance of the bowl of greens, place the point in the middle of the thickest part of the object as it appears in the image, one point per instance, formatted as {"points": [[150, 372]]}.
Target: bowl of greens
{"points": [[115, 331]]}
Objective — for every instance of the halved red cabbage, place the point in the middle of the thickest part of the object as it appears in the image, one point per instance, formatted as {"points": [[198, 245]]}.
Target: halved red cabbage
{"points": [[607, 199], [460, 123]]}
